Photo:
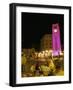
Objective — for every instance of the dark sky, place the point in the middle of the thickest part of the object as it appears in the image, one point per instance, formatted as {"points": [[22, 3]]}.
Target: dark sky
{"points": [[34, 26]]}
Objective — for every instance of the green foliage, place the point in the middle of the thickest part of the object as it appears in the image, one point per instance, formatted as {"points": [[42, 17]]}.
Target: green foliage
{"points": [[32, 68], [24, 59]]}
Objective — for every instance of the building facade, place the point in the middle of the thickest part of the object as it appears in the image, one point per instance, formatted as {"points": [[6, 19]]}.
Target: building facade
{"points": [[46, 42]]}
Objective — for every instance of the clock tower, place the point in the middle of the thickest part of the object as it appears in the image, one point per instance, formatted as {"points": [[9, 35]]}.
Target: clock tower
{"points": [[56, 42]]}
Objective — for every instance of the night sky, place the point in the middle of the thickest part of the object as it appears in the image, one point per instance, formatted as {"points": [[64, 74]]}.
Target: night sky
{"points": [[34, 26]]}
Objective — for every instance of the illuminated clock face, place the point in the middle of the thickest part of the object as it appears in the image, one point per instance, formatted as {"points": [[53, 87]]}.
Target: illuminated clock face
{"points": [[55, 30]]}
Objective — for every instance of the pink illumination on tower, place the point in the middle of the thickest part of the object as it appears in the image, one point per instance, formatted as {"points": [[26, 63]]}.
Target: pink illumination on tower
{"points": [[56, 44]]}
